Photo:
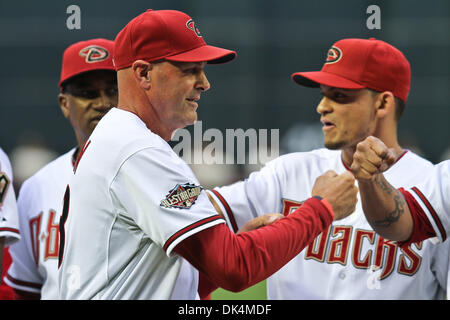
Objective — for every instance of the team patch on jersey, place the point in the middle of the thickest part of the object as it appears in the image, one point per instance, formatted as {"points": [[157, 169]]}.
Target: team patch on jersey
{"points": [[182, 196], [4, 183], [333, 55], [94, 53]]}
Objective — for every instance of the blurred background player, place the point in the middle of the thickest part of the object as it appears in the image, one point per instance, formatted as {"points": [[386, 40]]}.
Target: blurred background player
{"points": [[88, 86], [365, 85], [9, 223]]}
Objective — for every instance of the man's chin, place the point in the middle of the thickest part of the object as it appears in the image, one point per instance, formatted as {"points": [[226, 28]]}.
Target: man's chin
{"points": [[334, 145]]}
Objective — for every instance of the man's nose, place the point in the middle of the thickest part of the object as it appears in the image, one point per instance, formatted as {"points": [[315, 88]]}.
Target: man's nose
{"points": [[105, 101], [324, 106], [203, 83]]}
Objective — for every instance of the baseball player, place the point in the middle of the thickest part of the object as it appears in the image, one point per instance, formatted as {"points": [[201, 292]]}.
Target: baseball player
{"points": [[9, 224], [365, 84], [88, 87], [427, 213], [136, 224]]}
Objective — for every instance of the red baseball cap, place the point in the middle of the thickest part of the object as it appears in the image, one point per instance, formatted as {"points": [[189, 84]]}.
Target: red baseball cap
{"points": [[89, 55], [165, 34], [362, 63]]}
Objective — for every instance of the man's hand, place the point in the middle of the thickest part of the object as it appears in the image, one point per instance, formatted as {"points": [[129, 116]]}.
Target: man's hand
{"points": [[371, 158], [339, 190], [261, 221]]}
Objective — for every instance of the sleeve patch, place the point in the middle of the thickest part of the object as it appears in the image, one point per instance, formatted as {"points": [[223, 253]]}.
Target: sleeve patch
{"points": [[182, 196]]}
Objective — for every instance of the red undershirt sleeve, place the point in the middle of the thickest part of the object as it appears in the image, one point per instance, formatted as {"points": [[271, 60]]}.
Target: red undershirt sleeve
{"points": [[422, 229], [236, 262]]}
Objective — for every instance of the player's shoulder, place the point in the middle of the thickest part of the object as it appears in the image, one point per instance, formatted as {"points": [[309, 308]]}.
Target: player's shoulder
{"points": [[125, 136], [5, 164], [410, 168], [443, 166], [56, 169], [408, 161], [412, 158], [128, 131]]}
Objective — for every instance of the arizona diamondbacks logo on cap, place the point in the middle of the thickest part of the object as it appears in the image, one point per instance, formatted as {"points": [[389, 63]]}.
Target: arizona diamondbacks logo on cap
{"points": [[182, 196], [333, 55], [191, 26], [94, 53]]}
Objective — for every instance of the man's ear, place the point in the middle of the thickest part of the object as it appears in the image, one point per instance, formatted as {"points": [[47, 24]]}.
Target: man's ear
{"points": [[142, 73], [64, 104], [385, 104]]}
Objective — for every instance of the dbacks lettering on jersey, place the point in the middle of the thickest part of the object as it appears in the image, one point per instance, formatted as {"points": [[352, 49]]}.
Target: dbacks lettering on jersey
{"points": [[49, 234], [333, 246], [182, 196]]}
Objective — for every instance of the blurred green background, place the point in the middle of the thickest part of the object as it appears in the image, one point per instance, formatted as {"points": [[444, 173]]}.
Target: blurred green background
{"points": [[257, 292]]}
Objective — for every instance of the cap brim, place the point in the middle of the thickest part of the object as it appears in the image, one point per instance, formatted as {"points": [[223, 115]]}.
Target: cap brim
{"points": [[316, 78], [82, 71], [209, 54]]}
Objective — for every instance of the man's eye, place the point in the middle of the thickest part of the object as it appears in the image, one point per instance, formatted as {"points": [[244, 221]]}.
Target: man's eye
{"points": [[88, 94], [191, 71], [112, 92], [339, 95]]}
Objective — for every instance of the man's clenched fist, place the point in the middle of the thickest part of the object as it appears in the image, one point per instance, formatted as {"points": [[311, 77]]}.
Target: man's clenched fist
{"points": [[371, 157], [339, 190]]}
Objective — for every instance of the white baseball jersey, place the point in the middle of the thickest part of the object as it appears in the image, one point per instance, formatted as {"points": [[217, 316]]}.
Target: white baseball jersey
{"points": [[349, 260], [433, 195], [35, 256], [130, 202], [9, 222]]}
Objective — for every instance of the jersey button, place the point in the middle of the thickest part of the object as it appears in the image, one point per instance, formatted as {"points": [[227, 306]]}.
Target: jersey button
{"points": [[342, 275]]}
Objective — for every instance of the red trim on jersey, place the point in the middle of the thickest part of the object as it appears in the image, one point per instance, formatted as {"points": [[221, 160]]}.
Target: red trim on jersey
{"points": [[10, 230], [87, 143], [189, 228], [24, 283], [422, 227], [432, 211], [401, 156], [74, 159], [227, 209], [346, 167], [238, 261]]}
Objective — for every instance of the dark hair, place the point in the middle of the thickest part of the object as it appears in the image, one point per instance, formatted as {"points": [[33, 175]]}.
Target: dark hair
{"points": [[399, 105]]}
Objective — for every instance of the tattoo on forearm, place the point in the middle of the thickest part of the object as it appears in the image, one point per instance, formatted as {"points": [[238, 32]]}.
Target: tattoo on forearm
{"points": [[383, 185], [399, 209]]}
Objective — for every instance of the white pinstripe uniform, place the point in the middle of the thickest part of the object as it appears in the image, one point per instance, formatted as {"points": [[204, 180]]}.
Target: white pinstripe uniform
{"points": [[131, 201]]}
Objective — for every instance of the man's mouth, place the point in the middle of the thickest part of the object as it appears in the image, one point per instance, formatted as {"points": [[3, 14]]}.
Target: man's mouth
{"points": [[327, 124], [193, 101], [97, 118]]}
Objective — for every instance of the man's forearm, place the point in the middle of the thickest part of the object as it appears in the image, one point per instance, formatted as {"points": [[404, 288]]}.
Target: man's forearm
{"points": [[385, 208]]}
